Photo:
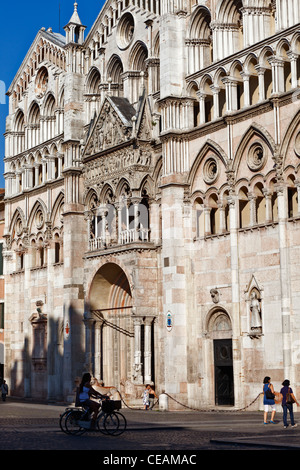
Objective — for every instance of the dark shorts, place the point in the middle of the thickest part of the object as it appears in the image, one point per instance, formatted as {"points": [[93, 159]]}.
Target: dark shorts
{"points": [[88, 403]]}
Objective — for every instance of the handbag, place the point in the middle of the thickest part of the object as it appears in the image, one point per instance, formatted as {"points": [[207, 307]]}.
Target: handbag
{"points": [[270, 394], [289, 399]]}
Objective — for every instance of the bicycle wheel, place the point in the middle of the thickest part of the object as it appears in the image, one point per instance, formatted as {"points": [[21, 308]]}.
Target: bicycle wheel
{"points": [[62, 420], [100, 423], [71, 423], [111, 423], [122, 423]]}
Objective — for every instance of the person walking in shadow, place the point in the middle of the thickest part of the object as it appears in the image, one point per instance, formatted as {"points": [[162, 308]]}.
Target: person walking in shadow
{"points": [[4, 390]]}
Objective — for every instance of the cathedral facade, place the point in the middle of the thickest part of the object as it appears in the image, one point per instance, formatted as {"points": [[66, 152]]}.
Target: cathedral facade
{"points": [[152, 202]]}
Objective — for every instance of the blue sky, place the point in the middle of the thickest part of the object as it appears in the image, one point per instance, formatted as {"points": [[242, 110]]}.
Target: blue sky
{"points": [[20, 23]]}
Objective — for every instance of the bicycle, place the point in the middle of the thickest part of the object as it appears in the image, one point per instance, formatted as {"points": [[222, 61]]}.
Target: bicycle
{"points": [[77, 420]]}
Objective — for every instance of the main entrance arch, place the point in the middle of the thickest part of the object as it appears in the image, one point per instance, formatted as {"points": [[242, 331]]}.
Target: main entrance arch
{"points": [[119, 343], [110, 325]]}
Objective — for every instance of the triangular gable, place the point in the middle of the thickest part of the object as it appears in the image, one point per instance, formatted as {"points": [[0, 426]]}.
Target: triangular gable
{"points": [[143, 119], [112, 127], [55, 38]]}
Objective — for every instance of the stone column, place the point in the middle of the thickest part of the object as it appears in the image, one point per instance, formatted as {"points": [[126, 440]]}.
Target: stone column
{"points": [[137, 367], [97, 368], [253, 218], [216, 90], [261, 82], [284, 281], [88, 322], [293, 59], [246, 81], [268, 198], [207, 227], [235, 293], [147, 350]]}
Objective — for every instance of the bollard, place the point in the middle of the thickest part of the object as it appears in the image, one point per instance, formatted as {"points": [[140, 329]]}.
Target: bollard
{"points": [[163, 402]]}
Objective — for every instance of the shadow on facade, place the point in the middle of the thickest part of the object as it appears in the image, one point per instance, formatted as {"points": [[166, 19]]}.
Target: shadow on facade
{"points": [[51, 361]]}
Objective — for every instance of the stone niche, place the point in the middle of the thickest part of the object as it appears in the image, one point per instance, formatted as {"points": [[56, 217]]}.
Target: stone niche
{"points": [[38, 322]]}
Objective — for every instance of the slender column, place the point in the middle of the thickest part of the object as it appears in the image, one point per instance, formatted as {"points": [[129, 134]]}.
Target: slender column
{"points": [[216, 91], [88, 321], [246, 80], [222, 228], [201, 97], [293, 59], [207, 227], [285, 280], [268, 198], [137, 367], [297, 183], [98, 371], [253, 219], [147, 350]]}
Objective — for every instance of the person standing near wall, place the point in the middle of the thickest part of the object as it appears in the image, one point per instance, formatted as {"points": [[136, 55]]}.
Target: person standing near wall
{"points": [[269, 402], [288, 398]]}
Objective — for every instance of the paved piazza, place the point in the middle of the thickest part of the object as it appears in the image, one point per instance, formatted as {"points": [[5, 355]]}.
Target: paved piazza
{"points": [[36, 427]]}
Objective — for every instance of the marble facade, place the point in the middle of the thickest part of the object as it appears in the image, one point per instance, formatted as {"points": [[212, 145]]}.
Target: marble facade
{"points": [[152, 202]]}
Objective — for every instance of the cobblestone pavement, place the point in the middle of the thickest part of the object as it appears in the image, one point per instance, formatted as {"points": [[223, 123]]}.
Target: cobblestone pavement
{"points": [[28, 426]]}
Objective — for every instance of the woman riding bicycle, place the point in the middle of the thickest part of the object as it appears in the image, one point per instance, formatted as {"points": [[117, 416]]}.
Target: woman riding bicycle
{"points": [[86, 392]]}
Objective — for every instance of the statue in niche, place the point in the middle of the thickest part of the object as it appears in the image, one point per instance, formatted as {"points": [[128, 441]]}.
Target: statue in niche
{"points": [[255, 309]]}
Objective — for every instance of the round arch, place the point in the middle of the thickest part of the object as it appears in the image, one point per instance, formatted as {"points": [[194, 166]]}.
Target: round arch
{"points": [[110, 289]]}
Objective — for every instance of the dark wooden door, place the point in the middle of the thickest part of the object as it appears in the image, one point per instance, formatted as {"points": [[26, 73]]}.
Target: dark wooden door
{"points": [[224, 391]]}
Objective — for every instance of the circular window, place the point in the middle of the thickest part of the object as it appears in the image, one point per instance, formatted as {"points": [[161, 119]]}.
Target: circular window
{"points": [[256, 157], [125, 31], [210, 170], [19, 226], [39, 218]]}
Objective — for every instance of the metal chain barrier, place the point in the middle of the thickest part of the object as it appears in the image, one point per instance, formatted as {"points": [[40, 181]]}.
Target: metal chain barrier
{"points": [[204, 410]]}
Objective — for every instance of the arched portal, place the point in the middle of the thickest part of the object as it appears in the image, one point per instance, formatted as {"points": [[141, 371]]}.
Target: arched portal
{"points": [[119, 343], [220, 334], [111, 330]]}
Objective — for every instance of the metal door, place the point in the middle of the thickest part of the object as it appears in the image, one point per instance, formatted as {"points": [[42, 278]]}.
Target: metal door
{"points": [[224, 391]]}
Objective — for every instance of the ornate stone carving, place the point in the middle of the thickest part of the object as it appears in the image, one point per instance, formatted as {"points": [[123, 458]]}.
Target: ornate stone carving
{"points": [[108, 131], [256, 157], [210, 170], [117, 163]]}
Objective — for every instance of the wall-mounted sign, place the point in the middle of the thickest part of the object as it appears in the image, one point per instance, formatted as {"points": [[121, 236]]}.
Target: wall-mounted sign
{"points": [[169, 321], [67, 330]]}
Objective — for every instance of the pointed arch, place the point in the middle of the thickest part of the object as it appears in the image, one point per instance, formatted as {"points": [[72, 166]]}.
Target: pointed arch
{"points": [[287, 138], [34, 113], [17, 216], [207, 147], [229, 11], [138, 56], [57, 206], [199, 27], [93, 81], [107, 194], [123, 186], [38, 207], [254, 130], [115, 69], [91, 199]]}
